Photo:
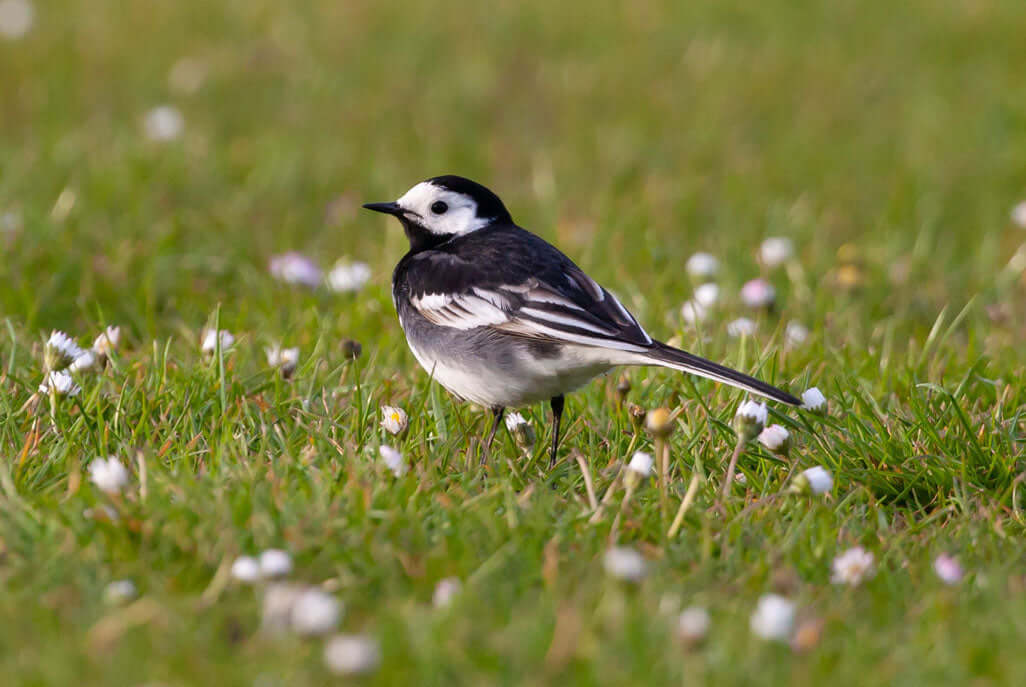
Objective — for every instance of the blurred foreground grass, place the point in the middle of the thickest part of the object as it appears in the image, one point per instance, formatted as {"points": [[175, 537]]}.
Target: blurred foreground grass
{"points": [[887, 140]]}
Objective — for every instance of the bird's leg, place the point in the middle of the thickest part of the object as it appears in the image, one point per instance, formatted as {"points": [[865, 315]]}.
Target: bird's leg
{"points": [[557, 417], [497, 414]]}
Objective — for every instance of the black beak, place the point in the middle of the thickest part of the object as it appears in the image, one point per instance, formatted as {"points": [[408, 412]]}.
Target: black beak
{"points": [[387, 208]]}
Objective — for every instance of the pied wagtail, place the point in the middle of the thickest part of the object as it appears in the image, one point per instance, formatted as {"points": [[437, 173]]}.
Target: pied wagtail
{"points": [[502, 318]]}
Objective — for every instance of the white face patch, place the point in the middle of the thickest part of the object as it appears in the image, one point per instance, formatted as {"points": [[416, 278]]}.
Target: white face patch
{"points": [[458, 217]]}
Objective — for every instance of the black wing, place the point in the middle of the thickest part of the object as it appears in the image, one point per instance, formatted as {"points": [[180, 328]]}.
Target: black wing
{"points": [[513, 281]]}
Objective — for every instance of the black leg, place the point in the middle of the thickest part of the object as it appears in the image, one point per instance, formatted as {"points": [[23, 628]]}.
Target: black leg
{"points": [[557, 417], [497, 413]]}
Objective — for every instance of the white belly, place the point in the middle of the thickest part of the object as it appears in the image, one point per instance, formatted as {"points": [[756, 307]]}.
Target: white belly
{"points": [[528, 381]]}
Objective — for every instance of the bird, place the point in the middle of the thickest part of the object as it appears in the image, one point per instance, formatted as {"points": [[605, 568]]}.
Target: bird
{"points": [[502, 318]]}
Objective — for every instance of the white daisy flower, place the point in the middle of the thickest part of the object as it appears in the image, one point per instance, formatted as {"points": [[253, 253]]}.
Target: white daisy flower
{"points": [[348, 277], [742, 326], [816, 480], [706, 295], [1018, 215], [445, 591], [814, 401], [641, 464], [108, 474], [60, 351], [394, 420], [246, 569], [59, 383], [693, 624], [16, 18], [315, 612], [775, 251], [852, 566], [795, 333], [276, 611], [776, 439], [352, 654], [163, 123], [702, 265], [209, 340], [948, 569], [275, 563], [773, 617], [295, 268], [119, 591], [758, 293], [393, 460], [284, 359], [624, 563], [693, 312]]}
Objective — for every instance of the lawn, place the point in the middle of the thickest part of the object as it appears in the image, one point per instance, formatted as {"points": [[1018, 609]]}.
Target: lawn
{"points": [[886, 140]]}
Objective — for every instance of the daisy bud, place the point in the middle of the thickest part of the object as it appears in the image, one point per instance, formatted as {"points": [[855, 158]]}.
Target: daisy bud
{"points": [[815, 480], [775, 251], [394, 420], [758, 293], [626, 564], [702, 265], [814, 401], [807, 635], [246, 569], [87, 362], [641, 465], [16, 18], [693, 625], [210, 339], [285, 359], [776, 439], [522, 431], [108, 474], [275, 563], [59, 383], [750, 419], [60, 351], [119, 591], [315, 612], [637, 416], [352, 655], [742, 326], [107, 342], [351, 348], [393, 460], [659, 422], [773, 618], [1018, 215], [445, 591], [948, 569], [852, 566], [295, 268], [348, 277], [623, 387]]}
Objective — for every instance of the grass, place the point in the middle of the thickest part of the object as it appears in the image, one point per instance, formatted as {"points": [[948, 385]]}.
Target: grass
{"points": [[886, 140]]}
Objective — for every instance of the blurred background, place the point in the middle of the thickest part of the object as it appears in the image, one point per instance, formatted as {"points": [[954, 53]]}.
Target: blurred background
{"points": [[154, 156]]}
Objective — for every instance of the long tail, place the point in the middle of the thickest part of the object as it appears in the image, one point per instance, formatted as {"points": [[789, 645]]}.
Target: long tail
{"points": [[668, 356]]}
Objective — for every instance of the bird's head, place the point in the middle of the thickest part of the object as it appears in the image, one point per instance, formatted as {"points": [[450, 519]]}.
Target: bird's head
{"points": [[440, 208]]}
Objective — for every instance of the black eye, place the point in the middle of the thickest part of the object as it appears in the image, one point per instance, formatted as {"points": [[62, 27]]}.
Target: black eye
{"points": [[439, 207]]}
